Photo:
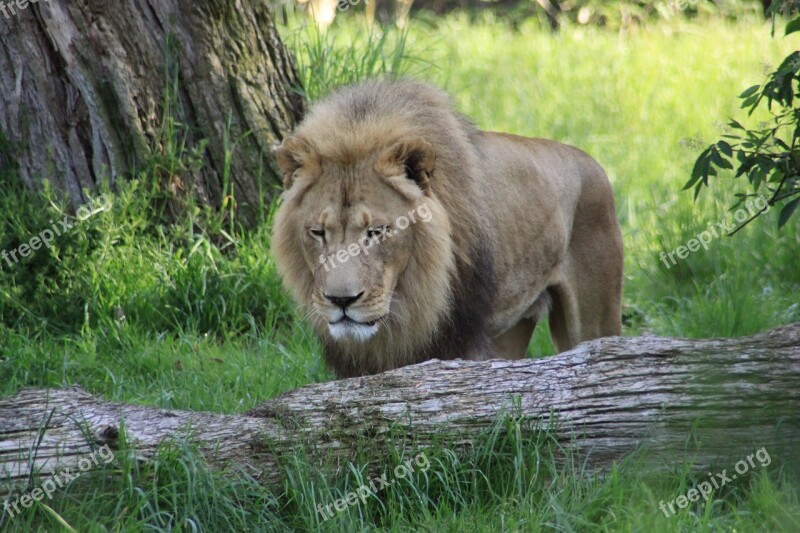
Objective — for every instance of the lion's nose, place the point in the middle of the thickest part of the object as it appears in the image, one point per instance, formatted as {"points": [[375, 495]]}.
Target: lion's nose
{"points": [[343, 301]]}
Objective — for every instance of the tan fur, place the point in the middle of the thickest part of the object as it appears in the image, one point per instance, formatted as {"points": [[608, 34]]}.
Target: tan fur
{"points": [[517, 226]]}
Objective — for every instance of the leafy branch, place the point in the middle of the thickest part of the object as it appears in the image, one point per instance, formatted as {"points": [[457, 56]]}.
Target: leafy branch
{"points": [[768, 155]]}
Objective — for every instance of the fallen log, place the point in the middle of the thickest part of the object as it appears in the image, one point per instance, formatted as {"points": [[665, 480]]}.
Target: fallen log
{"points": [[701, 401]]}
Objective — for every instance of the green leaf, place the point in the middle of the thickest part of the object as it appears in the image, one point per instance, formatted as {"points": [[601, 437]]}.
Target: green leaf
{"points": [[691, 181], [788, 66], [793, 26], [700, 168], [750, 91], [741, 156], [719, 161], [765, 163], [725, 148], [782, 144], [749, 101], [787, 211], [776, 176], [756, 179]]}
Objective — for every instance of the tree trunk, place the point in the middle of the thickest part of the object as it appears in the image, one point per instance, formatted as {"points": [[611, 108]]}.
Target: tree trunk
{"points": [[702, 401], [85, 85]]}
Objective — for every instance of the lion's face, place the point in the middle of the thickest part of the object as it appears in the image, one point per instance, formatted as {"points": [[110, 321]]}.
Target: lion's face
{"points": [[356, 250], [357, 227]]}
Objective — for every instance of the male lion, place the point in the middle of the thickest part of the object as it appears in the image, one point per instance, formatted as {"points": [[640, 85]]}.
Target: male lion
{"points": [[408, 234]]}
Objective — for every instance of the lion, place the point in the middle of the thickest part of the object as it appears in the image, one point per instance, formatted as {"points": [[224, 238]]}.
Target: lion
{"points": [[407, 234]]}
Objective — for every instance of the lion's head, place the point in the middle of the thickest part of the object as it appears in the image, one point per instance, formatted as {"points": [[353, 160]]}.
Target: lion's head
{"points": [[363, 237]]}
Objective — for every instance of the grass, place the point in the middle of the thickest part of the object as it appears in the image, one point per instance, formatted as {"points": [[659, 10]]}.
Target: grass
{"points": [[137, 310]]}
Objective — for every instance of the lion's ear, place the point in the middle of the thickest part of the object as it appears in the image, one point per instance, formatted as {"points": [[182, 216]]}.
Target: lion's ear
{"points": [[292, 154], [414, 157]]}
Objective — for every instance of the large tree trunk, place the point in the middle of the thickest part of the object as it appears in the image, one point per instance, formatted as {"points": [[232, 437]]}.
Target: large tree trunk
{"points": [[84, 85], [699, 401]]}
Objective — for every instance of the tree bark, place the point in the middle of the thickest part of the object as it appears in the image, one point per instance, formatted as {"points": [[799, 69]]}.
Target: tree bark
{"points": [[701, 401], [85, 85]]}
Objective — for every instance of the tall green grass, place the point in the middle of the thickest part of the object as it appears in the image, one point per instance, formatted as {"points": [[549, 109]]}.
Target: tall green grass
{"points": [[171, 305], [327, 60]]}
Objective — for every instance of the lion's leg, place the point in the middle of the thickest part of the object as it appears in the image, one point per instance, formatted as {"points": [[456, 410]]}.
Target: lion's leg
{"points": [[564, 319], [586, 300], [581, 316], [513, 344]]}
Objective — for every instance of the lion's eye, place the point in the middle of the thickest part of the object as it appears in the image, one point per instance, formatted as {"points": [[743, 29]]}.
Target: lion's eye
{"points": [[317, 233], [376, 232]]}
